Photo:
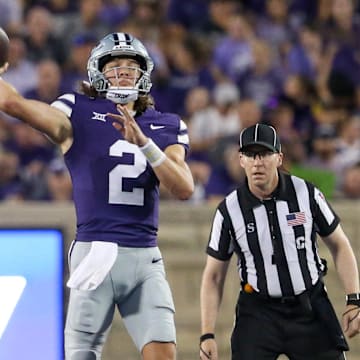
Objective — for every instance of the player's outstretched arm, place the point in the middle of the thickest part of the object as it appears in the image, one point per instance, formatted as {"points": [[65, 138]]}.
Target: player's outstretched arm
{"points": [[41, 116]]}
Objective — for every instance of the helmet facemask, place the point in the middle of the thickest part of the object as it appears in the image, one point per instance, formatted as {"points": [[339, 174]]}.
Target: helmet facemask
{"points": [[123, 83], [120, 45]]}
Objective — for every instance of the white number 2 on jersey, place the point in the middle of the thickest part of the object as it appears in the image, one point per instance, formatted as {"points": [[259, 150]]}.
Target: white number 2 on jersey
{"points": [[125, 171]]}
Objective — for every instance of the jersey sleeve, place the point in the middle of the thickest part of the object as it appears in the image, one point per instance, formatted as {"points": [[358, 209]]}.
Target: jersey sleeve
{"points": [[220, 244], [176, 132], [65, 103], [183, 136], [325, 218], [165, 129]]}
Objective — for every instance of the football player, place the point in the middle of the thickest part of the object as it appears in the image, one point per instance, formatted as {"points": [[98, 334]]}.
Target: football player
{"points": [[118, 149]]}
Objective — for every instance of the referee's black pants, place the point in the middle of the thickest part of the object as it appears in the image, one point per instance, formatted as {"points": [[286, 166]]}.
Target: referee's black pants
{"points": [[266, 329]]}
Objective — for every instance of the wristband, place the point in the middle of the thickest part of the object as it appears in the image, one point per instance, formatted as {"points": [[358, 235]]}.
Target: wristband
{"points": [[353, 299], [154, 155], [206, 336]]}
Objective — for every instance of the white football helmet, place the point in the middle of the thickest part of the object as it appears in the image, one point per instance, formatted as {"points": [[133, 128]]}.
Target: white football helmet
{"points": [[120, 45]]}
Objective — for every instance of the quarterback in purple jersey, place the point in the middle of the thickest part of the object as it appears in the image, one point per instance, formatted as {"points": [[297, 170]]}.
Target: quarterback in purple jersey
{"points": [[118, 149]]}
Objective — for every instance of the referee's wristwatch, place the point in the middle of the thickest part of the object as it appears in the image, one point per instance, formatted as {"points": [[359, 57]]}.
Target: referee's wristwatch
{"points": [[353, 299]]}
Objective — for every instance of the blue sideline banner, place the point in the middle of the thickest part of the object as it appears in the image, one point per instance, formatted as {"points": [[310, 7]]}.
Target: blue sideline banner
{"points": [[31, 294]]}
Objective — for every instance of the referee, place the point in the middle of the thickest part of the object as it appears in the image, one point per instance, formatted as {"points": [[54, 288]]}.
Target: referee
{"points": [[271, 223]]}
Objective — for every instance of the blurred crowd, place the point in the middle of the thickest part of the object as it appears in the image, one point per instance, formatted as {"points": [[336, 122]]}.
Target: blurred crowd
{"points": [[222, 65]]}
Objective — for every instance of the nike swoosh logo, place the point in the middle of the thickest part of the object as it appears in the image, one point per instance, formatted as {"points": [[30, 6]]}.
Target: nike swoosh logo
{"points": [[156, 260], [156, 127]]}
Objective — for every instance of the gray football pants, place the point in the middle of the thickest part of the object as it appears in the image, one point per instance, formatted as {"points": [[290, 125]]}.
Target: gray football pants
{"points": [[137, 286]]}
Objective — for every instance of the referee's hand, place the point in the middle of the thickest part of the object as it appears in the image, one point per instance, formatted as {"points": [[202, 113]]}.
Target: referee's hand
{"points": [[208, 350], [351, 321]]}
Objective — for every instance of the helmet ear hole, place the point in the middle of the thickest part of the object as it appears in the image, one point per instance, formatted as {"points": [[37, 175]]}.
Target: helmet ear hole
{"points": [[100, 84]]}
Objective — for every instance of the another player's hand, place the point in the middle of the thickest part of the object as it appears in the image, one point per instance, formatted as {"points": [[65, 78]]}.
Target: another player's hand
{"points": [[4, 68], [208, 350], [351, 321], [128, 127]]}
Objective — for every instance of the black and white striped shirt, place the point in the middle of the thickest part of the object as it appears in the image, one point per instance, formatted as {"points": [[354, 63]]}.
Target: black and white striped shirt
{"points": [[275, 239]]}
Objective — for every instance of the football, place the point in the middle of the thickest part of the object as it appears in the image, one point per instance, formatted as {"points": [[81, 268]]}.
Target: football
{"points": [[4, 47]]}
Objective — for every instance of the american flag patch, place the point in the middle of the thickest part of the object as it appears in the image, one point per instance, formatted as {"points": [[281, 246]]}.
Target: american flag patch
{"points": [[297, 218]]}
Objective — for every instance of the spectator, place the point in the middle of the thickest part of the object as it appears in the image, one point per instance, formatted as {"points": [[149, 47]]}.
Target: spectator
{"points": [[147, 21], [343, 30], [207, 128], [277, 26], [54, 6], [232, 52], [86, 19], [221, 119], [30, 145], [225, 176], [351, 184], [41, 41], [348, 144], [343, 24], [250, 112], [114, 12], [74, 71], [261, 81], [324, 154], [149, 15], [22, 71], [300, 93], [11, 15], [207, 19], [49, 82], [10, 181], [58, 181], [34, 152], [189, 14], [304, 57], [282, 119], [197, 100], [186, 71]]}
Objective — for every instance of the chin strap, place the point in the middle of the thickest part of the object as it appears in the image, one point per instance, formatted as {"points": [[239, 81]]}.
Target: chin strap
{"points": [[122, 96]]}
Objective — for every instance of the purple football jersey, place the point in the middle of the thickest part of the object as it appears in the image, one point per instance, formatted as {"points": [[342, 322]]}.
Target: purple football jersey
{"points": [[116, 192]]}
